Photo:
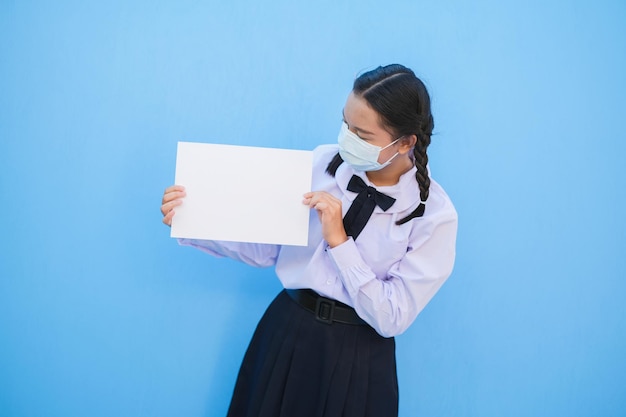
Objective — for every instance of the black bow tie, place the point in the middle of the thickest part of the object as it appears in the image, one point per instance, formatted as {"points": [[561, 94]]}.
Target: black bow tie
{"points": [[363, 205]]}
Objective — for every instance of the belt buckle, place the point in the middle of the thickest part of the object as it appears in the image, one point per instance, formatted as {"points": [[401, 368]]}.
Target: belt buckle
{"points": [[324, 310]]}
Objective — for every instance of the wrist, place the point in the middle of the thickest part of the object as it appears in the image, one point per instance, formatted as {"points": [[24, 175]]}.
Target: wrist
{"points": [[337, 240]]}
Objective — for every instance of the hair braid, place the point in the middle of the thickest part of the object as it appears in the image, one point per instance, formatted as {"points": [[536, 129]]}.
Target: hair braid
{"points": [[421, 163], [421, 176]]}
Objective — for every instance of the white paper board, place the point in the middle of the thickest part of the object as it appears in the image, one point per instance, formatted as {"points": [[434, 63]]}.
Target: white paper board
{"points": [[242, 193]]}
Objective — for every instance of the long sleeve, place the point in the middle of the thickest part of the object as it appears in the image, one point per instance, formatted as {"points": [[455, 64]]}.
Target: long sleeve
{"points": [[392, 303], [255, 254]]}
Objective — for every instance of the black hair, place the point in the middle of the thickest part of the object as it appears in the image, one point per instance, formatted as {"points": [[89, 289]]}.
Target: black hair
{"points": [[402, 101]]}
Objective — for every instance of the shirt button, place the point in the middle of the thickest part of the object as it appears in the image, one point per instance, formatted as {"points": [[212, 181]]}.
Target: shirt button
{"points": [[328, 282]]}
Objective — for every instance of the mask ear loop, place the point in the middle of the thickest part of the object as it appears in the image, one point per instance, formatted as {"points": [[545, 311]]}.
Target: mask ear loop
{"points": [[382, 149], [390, 159], [396, 154]]}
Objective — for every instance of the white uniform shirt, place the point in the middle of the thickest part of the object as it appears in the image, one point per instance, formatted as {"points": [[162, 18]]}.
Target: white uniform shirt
{"points": [[388, 274]]}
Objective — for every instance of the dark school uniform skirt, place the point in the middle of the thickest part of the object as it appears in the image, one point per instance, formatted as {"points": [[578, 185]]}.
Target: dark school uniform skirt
{"points": [[297, 366]]}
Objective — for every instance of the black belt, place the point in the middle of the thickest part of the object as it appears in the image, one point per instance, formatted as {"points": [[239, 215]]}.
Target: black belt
{"points": [[325, 309]]}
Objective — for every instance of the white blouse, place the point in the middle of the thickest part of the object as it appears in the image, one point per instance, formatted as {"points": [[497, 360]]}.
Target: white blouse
{"points": [[388, 274]]}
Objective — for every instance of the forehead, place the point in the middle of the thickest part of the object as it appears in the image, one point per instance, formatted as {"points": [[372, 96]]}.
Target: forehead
{"points": [[359, 115]]}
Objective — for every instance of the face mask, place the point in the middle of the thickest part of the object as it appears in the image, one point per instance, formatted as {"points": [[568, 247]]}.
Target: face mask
{"points": [[361, 155]]}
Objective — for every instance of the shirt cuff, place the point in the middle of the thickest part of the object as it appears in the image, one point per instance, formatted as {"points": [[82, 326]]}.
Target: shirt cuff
{"points": [[350, 264]]}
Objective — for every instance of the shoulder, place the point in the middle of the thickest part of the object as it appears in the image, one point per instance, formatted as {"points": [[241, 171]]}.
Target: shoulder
{"points": [[324, 153], [439, 207], [438, 225]]}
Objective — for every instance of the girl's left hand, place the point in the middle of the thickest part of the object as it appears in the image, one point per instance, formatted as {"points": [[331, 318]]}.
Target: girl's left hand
{"points": [[330, 215]]}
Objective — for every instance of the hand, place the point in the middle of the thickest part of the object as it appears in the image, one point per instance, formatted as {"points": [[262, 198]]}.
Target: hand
{"points": [[330, 215], [172, 198]]}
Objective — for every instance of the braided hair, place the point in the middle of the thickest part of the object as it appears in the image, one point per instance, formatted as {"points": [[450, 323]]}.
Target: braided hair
{"points": [[403, 103]]}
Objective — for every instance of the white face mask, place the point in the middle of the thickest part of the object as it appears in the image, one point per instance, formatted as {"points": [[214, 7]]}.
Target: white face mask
{"points": [[361, 155]]}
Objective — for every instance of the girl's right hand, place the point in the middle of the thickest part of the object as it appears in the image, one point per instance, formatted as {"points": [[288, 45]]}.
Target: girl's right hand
{"points": [[172, 198]]}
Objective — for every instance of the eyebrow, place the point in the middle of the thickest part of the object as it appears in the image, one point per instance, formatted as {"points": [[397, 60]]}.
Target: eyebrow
{"points": [[343, 114]]}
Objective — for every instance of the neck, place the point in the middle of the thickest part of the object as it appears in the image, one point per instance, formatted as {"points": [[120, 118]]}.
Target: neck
{"points": [[390, 175]]}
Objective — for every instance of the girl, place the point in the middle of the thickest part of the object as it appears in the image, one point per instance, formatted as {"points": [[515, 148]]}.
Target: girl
{"points": [[381, 245]]}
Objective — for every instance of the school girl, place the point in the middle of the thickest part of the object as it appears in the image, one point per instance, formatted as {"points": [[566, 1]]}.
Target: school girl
{"points": [[381, 245]]}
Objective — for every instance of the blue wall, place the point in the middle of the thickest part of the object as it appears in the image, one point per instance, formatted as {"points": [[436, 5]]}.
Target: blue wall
{"points": [[102, 314]]}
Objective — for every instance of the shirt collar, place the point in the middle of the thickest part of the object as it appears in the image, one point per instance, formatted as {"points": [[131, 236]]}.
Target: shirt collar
{"points": [[406, 191]]}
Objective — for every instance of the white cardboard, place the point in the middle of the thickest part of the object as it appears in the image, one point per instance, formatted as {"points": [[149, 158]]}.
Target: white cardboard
{"points": [[242, 193]]}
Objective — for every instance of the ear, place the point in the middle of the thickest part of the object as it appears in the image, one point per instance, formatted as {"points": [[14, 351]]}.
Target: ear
{"points": [[407, 143]]}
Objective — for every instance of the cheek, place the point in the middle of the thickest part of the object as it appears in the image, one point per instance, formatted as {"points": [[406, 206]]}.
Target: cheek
{"points": [[386, 154]]}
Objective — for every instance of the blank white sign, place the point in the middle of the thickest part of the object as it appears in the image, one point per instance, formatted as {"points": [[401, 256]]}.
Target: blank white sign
{"points": [[242, 193]]}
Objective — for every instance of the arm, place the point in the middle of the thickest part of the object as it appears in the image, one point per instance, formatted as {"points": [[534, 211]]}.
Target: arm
{"points": [[391, 304], [252, 254], [261, 255]]}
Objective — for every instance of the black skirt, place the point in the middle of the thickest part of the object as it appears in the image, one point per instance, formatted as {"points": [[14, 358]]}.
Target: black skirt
{"points": [[297, 366]]}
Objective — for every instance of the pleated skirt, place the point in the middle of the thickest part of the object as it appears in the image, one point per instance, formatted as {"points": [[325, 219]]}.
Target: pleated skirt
{"points": [[297, 366]]}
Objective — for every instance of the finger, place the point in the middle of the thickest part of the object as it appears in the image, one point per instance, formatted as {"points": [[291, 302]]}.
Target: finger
{"points": [[309, 197], [318, 203], [311, 194], [173, 195], [168, 218], [311, 200], [166, 208], [174, 188]]}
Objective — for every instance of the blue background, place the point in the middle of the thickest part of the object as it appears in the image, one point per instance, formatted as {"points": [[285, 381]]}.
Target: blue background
{"points": [[102, 314]]}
